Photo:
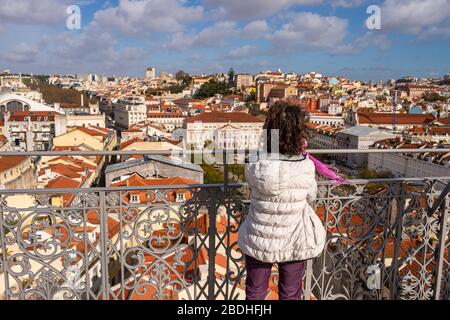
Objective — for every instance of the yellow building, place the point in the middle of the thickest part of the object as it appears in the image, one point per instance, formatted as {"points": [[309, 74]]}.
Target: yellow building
{"points": [[201, 80], [93, 138]]}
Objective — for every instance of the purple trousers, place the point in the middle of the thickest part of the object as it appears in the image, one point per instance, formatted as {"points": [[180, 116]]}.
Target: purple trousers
{"points": [[258, 276]]}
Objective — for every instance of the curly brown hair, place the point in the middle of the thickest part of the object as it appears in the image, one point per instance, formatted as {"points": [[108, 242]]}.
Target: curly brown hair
{"points": [[289, 119]]}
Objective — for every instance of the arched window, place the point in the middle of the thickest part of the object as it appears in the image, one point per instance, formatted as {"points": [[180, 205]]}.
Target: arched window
{"points": [[14, 106]]}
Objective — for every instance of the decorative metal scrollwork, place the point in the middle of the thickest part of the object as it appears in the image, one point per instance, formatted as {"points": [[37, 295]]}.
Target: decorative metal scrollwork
{"points": [[110, 245]]}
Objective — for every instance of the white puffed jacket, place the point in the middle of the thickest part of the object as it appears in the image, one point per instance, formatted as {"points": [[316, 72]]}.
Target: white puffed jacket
{"points": [[281, 225]]}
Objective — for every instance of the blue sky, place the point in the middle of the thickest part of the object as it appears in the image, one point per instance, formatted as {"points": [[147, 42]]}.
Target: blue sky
{"points": [[123, 37]]}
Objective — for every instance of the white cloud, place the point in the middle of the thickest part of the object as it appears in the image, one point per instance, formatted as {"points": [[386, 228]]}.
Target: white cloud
{"points": [[311, 30], [434, 32], [416, 17], [369, 39], [242, 52], [42, 12], [91, 50], [347, 3], [146, 16], [245, 9], [255, 29], [214, 36], [21, 53]]}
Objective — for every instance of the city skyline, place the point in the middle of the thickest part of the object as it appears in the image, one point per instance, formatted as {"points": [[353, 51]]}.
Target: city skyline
{"points": [[208, 36]]}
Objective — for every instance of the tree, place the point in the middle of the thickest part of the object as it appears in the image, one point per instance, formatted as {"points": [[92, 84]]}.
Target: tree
{"points": [[251, 97], [211, 88], [176, 88], [381, 98], [185, 78], [238, 170], [52, 94], [231, 77], [211, 174], [432, 97]]}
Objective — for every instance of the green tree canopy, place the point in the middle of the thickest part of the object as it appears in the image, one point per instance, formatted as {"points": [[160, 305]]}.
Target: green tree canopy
{"points": [[184, 77], [231, 74], [211, 88], [211, 174], [432, 97]]}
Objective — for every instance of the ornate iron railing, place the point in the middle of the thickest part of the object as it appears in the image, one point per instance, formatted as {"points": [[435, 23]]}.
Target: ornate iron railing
{"points": [[386, 239]]}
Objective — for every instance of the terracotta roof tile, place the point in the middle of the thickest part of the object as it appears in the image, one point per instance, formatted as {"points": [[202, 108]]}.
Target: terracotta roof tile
{"points": [[401, 118], [7, 163], [127, 143]]}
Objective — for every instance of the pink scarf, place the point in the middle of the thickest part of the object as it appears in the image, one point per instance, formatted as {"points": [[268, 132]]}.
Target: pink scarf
{"points": [[322, 168], [326, 171]]}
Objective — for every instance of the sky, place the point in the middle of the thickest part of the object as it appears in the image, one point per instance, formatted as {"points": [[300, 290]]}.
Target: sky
{"points": [[123, 37]]}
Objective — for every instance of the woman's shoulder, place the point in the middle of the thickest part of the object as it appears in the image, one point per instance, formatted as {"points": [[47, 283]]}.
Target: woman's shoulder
{"points": [[300, 164], [257, 157]]}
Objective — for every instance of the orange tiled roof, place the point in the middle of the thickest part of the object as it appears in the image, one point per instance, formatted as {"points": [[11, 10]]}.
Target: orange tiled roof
{"points": [[127, 143], [63, 182], [93, 131], [66, 148], [7, 163], [68, 171], [445, 121], [401, 118], [137, 180], [34, 115]]}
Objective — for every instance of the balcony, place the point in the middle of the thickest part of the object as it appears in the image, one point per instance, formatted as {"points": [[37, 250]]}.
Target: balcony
{"points": [[387, 239]]}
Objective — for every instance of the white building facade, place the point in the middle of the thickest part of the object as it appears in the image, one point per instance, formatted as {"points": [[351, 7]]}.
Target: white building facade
{"points": [[225, 130], [401, 165], [129, 111]]}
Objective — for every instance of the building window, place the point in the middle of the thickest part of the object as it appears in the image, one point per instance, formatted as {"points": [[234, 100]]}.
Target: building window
{"points": [[134, 198], [180, 196]]}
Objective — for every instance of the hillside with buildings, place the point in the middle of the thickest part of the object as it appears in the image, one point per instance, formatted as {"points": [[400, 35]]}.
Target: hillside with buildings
{"points": [[157, 207]]}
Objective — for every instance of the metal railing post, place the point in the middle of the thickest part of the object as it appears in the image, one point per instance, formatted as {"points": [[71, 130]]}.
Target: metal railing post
{"points": [[440, 202], [225, 171], [4, 256], [393, 292], [104, 247], [212, 245], [308, 280]]}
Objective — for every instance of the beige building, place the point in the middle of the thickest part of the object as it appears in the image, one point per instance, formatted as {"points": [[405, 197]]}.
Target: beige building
{"points": [[197, 81], [16, 173], [85, 120], [170, 120], [150, 73], [4, 144], [243, 80], [417, 91], [137, 144]]}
